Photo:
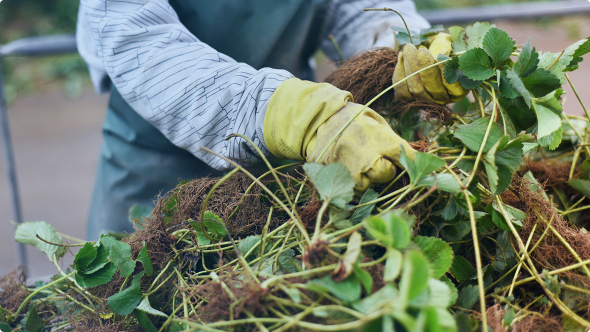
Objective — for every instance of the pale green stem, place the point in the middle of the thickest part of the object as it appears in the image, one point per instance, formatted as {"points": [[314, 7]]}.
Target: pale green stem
{"points": [[36, 291], [577, 96], [564, 309]]}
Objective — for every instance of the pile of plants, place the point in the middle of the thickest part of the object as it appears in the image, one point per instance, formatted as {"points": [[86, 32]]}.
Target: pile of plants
{"points": [[483, 230]]}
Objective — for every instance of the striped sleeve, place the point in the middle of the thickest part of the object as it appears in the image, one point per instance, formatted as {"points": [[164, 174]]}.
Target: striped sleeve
{"points": [[193, 94]]}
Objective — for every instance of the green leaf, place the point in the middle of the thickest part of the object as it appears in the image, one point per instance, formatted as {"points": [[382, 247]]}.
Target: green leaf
{"points": [[363, 212], [5, 327], [415, 274], [527, 60], [120, 255], [551, 141], [348, 290], [575, 50], [364, 277], [455, 232], [451, 71], [438, 252], [214, 225], [476, 64], [27, 233], [454, 291], [390, 229], [491, 167], [98, 277], [144, 258], [498, 45], [540, 82], [515, 215], [33, 322], [144, 321], [506, 89], [548, 121], [476, 33], [247, 244], [468, 297], [581, 186], [458, 39], [462, 269], [393, 264], [333, 182], [518, 85], [138, 212], [146, 307], [386, 293], [422, 165], [85, 256], [124, 302], [511, 154], [472, 134], [440, 293], [444, 182]]}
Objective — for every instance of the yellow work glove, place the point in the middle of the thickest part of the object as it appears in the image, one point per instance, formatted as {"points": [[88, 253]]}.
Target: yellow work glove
{"points": [[429, 84], [302, 118]]}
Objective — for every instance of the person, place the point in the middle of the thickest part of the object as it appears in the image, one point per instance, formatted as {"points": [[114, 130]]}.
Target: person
{"points": [[185, 74]]}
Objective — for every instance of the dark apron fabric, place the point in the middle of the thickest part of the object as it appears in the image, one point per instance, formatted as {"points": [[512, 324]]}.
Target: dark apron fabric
{"points": [[137, 162]]}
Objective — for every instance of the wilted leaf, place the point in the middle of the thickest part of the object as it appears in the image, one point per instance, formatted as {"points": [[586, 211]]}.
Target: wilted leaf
{"points": [[333, 182], [27, 233], [353, 250], [438, 252]]}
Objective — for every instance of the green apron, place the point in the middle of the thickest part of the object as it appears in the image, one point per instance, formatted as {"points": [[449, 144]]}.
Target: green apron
{"points": [[137, 162]]}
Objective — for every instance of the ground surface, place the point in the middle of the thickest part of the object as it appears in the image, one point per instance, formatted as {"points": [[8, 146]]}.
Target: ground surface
{"points": [[57, 142]]}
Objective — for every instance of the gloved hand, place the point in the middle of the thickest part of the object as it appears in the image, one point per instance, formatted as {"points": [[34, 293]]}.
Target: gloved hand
{"points": [[302, 117], [429, 84]]}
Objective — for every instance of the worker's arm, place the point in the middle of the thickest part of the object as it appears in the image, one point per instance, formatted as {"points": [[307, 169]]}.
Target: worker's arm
{"points": [[355, 30], [193, 94]]}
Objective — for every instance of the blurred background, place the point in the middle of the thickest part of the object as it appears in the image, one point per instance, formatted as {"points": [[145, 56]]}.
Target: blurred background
{"points": [[56, 117]]}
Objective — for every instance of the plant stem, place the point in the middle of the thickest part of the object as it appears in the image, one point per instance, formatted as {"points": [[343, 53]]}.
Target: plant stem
{"points": [[577, 96], [36, 291], [318, 222], [480, 152], [337, 47], [395, 11], [564, 242], [479, 267], [268, 191], [564, 309], [528, 242]]}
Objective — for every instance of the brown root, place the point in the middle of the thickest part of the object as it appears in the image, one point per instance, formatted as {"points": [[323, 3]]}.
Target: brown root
{"points": [[13, 290], [244, 294], [185, 202], [494, 315], [551, 253], [366, 74], [537, 323]]}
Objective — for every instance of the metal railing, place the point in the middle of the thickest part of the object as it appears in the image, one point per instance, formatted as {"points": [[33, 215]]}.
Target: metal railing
{"points": [[63, 44]]}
